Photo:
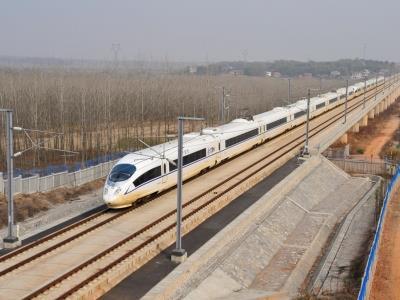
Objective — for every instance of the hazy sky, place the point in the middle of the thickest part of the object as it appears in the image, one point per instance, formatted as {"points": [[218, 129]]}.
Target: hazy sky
{"points": [[188, 30]]}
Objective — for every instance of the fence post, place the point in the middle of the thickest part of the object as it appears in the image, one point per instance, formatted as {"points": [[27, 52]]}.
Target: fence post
{"points": [[2, 183]]}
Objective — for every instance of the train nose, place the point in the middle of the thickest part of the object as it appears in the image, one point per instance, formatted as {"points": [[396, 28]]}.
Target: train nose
{"points": [[107, 195], [110, 195], [107, 198]]}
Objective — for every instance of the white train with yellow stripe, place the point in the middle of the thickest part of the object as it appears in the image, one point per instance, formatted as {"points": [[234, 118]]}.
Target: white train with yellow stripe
{"points": [[153, 170]]}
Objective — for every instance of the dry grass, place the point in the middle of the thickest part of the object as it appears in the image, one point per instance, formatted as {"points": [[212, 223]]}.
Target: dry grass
{"points": [[28, 205]]}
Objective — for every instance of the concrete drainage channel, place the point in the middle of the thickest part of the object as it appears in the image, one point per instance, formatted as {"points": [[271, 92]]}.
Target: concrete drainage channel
{"points": [[271, 247], [350, 239]]}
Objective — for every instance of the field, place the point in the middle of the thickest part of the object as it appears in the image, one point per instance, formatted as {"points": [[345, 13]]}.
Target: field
{"points": [[379, 139], [386, 280], [102, 112]]}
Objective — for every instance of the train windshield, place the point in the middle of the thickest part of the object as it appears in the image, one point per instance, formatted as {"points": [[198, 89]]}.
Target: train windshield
{"points": [[121, 172]]}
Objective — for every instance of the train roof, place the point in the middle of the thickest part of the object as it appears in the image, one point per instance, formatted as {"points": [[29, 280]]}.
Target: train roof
{"points": [[317, 100], [359, 85], [300, 105], [272, 115], [233, 126], [330, 95]]}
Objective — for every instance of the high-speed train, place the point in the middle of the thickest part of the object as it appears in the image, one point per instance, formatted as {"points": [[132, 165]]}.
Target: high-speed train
{"points": [[153, 170]]}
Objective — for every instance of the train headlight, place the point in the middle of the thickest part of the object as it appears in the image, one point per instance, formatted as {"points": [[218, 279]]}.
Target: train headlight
{"points": [[117, 191]]}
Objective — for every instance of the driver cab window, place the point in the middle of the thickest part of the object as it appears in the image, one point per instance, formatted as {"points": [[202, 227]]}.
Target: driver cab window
{"points": [[149, 175]]}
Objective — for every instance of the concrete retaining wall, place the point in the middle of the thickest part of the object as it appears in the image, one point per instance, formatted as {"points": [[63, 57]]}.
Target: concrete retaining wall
{"points": [[170, 287], [334, 270], [272, 245]]}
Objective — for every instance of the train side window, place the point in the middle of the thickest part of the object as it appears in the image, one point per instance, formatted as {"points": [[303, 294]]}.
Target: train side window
{"points": [[219, 146], [149, 175], [299, 114], [240, 138], [165, 168], [187, 159], [173, 167], [333, 100], [276, 123]]}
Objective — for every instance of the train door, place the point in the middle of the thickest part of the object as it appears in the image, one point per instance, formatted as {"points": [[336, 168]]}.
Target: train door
{"points": [[164, 176], [219, 153]]}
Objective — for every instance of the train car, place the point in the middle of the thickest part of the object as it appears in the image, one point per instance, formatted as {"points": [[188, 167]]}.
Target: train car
{"points": [[236, 137], [332, 99], [146, 172], [153, 170], [298, 112], [320, 105], [370, 83], [341, 93], [274, 122], [359, 88], [352, 91]]}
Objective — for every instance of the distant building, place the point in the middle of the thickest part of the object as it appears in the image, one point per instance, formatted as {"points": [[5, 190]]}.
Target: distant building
{"points": [[357, 75], [307, 75], [236, 72], [335, 74], [191, 69], [268, 74]]}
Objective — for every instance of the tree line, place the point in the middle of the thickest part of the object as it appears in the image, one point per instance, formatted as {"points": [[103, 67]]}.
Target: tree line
{"points": [[103, 112], [292, 68]]}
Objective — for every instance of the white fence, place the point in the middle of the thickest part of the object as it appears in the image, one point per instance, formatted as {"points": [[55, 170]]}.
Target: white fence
{"points": [[46, 183]]}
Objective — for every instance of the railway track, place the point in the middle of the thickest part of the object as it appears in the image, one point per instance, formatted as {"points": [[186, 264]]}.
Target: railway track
{"points": [[79, 228], [136, 243]]}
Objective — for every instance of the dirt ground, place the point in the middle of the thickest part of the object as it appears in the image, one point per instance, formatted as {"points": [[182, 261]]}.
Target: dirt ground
{"points": [[371, 140], [386, 282], [386, 132], [27, 205]]}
